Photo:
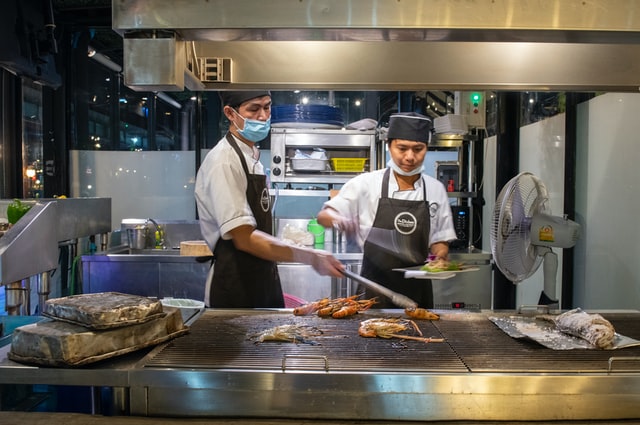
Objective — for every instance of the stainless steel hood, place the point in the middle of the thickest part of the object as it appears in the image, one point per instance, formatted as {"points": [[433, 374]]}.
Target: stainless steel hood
{"points": [[383, 45]]}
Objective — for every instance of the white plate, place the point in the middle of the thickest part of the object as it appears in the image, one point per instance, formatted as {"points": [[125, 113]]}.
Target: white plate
{"points": [[416, 273]]}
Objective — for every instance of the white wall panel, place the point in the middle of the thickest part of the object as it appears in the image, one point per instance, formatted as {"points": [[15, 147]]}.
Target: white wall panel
{"points": [[607, 268], [542, 147], [148, 184]]}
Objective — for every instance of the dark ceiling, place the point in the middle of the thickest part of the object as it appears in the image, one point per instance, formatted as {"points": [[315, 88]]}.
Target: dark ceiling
{"points": [[83, 11], [91, 15]]}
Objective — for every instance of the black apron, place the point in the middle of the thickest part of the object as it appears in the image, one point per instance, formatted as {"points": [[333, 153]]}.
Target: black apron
{"points": [[404, 227], [242, 280]]}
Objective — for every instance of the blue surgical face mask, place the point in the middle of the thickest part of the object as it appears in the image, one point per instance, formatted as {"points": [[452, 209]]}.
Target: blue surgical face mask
{"points": [[254, 130], [400, 171]]}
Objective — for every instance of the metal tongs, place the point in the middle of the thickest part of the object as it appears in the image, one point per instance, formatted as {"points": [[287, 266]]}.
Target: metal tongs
{"points": [[396, 298]]}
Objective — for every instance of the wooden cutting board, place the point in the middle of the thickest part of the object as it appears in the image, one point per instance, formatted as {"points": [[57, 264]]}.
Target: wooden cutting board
{"points": [[194, 248]]}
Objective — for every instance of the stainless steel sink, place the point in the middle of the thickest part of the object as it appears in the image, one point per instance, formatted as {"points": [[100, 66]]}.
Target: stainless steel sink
{"points": [[152, 251], [125, 250]]}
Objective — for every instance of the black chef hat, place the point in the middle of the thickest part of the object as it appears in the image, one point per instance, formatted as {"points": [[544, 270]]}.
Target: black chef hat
{"points": [[237, 98], [409, 126]]}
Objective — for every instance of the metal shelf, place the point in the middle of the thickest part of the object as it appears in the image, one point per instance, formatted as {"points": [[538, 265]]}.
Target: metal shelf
{"points": [[452, 141]]}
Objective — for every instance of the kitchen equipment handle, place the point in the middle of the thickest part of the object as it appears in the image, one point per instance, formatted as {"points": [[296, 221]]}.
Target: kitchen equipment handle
{"points": [[620, 359], [324, 360], [396, 298]]}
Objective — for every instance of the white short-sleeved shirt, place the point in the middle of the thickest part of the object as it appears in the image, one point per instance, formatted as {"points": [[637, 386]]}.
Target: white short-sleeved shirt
{"points": [[221, 191], [359, 199]]}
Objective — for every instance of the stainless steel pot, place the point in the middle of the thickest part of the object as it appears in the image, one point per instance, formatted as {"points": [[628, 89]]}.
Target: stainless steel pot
{"points": [[137, 237]]}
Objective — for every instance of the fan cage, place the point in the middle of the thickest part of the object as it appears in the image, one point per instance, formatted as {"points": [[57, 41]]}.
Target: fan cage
{"points": [[521, 198]]}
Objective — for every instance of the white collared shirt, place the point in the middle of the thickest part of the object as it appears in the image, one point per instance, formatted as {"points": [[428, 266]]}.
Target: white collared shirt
{"points": [[360, 196], [221, 188]]}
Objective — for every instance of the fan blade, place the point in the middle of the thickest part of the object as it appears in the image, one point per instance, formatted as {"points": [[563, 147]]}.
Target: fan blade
{"points": [[517, 205], [514, 265]]}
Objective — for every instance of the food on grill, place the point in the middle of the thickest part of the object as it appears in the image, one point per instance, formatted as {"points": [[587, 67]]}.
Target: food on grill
{"points": [[103, 310], [288, 333], [441, 265], [421, 314], [337, 308], [390, 328], [591, 327], [311, 307], [56, 343]]}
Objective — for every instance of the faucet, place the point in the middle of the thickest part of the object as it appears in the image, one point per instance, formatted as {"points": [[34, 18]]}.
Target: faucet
{"points": [[158, 230]]}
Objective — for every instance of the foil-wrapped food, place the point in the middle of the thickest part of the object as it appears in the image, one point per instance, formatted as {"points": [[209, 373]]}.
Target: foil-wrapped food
{"points": [[103, 310], [591, 327], [58, 343]]}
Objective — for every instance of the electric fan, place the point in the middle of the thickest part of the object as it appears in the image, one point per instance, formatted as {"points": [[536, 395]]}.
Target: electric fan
{"points": [[523, 231]]}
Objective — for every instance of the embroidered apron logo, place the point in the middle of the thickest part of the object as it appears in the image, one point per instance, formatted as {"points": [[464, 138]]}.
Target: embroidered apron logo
{"points": [[405, 223], [265, 200]]}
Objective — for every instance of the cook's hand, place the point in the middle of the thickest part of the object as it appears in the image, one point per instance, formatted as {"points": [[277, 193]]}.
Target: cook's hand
{"points": [[439, 250], [326, 264], [345, 225]]}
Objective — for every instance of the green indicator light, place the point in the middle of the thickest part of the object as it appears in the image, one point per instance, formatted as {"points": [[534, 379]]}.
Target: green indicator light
{"points": [[475, 99]]}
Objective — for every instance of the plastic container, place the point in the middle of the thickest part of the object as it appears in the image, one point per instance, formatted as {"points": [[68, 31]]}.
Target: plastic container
{"points": [[181, 303], [348, 165], [317, 230], [309, 164]]}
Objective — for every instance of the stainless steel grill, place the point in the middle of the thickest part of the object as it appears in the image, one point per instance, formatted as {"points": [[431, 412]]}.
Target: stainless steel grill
{"points": [[478, 373], [225, 341], [472, 344]]}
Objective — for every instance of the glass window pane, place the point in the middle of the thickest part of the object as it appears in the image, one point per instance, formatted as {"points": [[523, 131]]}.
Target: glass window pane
{"points": [[32, 140]]}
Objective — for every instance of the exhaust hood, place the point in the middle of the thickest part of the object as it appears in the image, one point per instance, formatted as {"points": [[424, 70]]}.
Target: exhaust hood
{"points": [[385, 45]]}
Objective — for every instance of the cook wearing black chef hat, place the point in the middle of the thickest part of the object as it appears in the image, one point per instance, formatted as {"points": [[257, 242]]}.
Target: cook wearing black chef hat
{"points": [[410, 126], [238, 97], [234, 209], [249, 113], [398, 215]]}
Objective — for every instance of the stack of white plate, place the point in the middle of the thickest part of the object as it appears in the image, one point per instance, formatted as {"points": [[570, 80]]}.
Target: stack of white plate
{"points": [[451, 124]]}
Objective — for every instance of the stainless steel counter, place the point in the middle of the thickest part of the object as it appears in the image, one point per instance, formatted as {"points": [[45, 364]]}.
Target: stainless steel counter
{"points": [[153, 273], [165, 273]]}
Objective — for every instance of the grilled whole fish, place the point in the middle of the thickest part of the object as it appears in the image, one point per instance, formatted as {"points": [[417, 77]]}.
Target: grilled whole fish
{"points": [[591, 327]]}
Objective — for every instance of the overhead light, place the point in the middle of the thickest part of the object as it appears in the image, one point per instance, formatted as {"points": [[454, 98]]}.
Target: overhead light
{"points": [[168, 99], [103, 59]]}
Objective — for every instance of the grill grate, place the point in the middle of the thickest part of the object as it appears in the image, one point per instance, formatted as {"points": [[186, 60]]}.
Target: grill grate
{"points": [[222, 340], [483, 347]]}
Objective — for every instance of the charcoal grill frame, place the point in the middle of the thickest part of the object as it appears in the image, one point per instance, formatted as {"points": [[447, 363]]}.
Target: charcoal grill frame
{"points": [[403, 394], [557, 387]]}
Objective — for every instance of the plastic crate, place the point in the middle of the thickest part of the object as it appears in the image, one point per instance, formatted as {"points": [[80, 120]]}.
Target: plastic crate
{"points": [[348, 165]]}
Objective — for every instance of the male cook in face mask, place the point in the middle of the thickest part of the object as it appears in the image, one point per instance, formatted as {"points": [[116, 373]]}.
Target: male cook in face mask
{"points": [[234, 210], [399, 215]]}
